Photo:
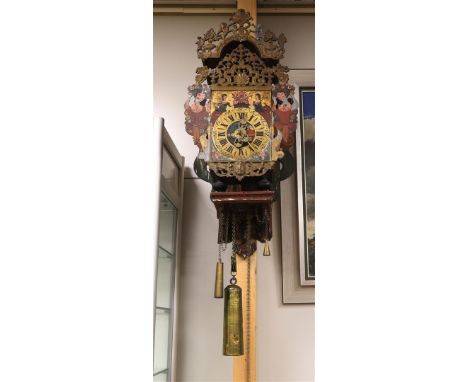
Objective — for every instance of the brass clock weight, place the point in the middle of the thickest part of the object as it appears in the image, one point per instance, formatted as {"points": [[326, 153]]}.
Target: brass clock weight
{"points": [[242, 115]]}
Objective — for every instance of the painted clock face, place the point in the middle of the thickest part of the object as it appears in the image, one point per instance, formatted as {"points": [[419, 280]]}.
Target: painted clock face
{"points": [[240, 133]]}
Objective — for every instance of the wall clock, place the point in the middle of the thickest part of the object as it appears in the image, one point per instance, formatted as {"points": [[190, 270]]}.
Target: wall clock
{"points": [[242, 115]]}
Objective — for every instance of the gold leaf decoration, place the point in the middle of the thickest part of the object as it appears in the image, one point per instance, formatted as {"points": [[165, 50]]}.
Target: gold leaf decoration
{"points": [[240, 28], [202, 74], [240, 169], [243, 67]]}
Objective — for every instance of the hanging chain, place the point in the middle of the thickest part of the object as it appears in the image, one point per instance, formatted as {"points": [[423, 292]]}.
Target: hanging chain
{"points": [[226, 232], [221, 249], [234, 234], [248, 234], [234, 252], [223, 244]]}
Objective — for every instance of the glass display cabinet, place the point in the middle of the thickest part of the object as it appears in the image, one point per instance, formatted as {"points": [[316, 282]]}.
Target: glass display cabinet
{"points": [[169, 191]]}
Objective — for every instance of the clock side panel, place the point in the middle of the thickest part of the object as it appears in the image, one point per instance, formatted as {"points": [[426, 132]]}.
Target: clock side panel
{"points": [[224, 102]]}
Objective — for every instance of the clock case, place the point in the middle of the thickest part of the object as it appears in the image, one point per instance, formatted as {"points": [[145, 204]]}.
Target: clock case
{"points": [[239, 61]]}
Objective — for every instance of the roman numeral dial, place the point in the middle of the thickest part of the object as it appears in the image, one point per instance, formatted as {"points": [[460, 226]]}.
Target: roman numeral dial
{"points": [[240, 133]]}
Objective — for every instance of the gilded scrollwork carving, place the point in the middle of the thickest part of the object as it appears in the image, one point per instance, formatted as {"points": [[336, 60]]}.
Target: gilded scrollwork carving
{"points": [[240, 28], [202, 74], [281, 73], [242, 67], [240, 169], [270, 45]]}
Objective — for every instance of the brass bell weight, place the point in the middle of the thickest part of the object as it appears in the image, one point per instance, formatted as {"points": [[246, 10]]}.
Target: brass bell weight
{"points": [[233, 342]]}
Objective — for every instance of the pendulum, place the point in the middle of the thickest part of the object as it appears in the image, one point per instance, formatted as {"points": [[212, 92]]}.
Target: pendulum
{"points": [[266, 249], [233, 342]]}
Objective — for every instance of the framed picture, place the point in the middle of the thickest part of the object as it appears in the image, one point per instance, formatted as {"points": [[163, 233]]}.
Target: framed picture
{"points": [[298, 200], [305, 172]]}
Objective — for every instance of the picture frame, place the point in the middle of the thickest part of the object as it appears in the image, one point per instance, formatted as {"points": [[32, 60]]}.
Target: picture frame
{"points": [[305, 173], [292, 213]]}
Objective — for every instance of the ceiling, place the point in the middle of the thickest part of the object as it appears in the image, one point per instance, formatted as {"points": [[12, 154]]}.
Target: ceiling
{"points": [[226, 6], [233, 2]]}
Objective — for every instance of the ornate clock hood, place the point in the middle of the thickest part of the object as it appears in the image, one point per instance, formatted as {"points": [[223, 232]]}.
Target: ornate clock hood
{"points": [[232, 56], [240, 56]]}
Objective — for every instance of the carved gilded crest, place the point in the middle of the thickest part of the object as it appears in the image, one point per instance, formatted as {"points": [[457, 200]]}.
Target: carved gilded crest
{"points": [[242, 67], [240, 28]]}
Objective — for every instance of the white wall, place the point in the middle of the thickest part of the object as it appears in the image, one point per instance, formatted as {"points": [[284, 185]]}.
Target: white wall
{"points": [[285, 333]]}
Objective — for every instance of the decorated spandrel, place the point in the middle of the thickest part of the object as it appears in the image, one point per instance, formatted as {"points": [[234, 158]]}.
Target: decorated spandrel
{"points": [[242, 115], [285, 114], [197, 113]]}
